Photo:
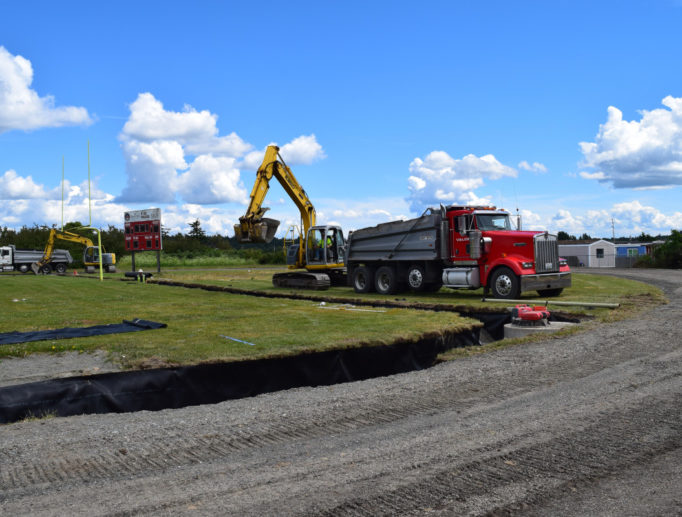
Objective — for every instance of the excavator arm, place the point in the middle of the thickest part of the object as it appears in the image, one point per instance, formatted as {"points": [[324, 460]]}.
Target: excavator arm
{"points": [[253, 227], [90, 253]]}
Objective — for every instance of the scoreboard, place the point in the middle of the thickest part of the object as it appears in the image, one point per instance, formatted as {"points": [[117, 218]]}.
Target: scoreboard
{"points": [[143, 230]]}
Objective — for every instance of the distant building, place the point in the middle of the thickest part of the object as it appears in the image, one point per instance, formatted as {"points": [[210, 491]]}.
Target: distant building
{"points": [[588, 253], [631, 249], [627, 253]]}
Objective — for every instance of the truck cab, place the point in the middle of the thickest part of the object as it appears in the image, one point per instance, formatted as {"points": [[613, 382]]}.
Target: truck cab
{"points": [[507, 261], [6, 260]]}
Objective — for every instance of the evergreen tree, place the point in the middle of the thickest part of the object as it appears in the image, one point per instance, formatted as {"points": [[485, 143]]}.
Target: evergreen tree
{"points": [[196, 231]]}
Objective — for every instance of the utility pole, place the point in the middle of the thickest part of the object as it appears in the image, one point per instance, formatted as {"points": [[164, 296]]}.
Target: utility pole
{"points": [[613, 231]]}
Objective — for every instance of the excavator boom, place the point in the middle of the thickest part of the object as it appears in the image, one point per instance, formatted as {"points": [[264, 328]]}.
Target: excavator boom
{"points": [[253, 227], [319, 248], [90, 254]]}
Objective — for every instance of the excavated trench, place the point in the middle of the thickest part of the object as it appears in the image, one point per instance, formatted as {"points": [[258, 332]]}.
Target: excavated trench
{"points": [[168, 388]]}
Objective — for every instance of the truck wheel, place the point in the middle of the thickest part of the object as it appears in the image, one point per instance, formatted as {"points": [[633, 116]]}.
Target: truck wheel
{"points": [[46, 269], [549, 293], [385, 280], [505, 284], [24, 268], [363, 279], [415, 278], [60, 268]]}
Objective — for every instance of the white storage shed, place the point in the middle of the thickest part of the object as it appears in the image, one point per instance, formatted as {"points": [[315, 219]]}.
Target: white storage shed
{"points": [[598, 253]]}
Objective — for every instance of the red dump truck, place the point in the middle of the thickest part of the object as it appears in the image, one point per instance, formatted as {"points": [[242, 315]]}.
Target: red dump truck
{"points": [[461, 247]]}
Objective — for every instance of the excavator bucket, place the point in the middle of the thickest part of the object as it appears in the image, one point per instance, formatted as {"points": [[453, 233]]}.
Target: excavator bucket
{"points": [[261, 231], [35, 267]]}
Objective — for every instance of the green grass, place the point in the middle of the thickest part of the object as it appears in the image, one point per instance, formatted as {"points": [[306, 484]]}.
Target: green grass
{"points": [[586, 288], [196, 320], [147, 261]]}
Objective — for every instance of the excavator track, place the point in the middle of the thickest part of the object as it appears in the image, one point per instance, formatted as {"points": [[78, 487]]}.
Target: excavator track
{"points": [[302, 280]]}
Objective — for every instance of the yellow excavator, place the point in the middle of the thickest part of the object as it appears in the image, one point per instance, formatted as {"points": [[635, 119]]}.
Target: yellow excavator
{"points": [[90, 253], [318, 249]]}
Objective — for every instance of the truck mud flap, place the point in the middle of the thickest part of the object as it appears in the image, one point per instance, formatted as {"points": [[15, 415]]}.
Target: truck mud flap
{"points": [[167, 388]]}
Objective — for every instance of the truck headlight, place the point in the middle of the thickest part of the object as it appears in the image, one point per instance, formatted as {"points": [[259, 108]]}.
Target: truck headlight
{"points": [[563, 262], [527, 265]]}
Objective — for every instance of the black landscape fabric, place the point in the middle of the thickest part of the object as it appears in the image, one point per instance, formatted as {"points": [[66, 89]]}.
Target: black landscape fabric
{"points": [[10, 338], [166, 388]]}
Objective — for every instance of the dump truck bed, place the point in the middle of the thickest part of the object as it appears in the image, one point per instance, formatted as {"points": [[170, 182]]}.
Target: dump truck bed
{"points": [[31, 256], [414, 239]]}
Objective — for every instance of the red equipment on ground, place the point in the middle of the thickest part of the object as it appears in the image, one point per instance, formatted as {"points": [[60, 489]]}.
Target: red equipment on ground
{"points": [[526, 315]]}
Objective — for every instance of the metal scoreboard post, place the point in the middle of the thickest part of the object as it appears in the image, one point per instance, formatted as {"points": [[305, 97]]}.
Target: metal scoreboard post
{"points": [[143, 233]]}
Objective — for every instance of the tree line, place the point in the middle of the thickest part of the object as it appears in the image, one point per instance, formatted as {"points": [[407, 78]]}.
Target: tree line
{"points": [[195, 243]]}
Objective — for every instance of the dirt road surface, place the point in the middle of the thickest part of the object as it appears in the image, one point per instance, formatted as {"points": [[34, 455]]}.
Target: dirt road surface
{"points": [[589, 424]]}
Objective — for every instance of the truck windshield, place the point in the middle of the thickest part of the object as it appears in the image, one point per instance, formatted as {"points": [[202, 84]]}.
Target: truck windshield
{"points": [[493, 222]]}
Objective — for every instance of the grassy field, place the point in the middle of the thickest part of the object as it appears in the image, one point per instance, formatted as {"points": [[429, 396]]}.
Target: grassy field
{"points": [[201, 323], [586, 288], [148, 261], [197, 321]]}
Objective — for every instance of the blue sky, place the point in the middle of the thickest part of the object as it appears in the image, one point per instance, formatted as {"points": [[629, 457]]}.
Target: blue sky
{"points": [[569, 111]]}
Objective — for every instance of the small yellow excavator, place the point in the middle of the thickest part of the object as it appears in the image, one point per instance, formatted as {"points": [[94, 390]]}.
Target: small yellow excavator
{"points": [[318, 249], [90, 253]]}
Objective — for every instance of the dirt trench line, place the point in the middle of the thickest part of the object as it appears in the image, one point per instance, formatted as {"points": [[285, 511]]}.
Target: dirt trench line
{"points": [[397, 304]]}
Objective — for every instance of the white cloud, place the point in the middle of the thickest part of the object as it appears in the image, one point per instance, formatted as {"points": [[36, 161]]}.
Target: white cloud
{"points": [[530, 220], [534, 167], [565, 221], [152, 170], [212, 179], [22, 108], [593, 175], [439, 178], [13, 186], [352, 214], [179, 156], [629, 218], [302, 150], [644, 153], [214, 220], [195, 130], [150, 121], [47, 209]]}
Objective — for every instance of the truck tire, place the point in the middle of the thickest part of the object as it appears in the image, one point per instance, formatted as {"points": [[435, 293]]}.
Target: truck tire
{"points": [[60, 268], [110, 269], [46, 269], [549, 293], [363, 279], [385, 280], [415, 278], [24, 268], [505, 284]]}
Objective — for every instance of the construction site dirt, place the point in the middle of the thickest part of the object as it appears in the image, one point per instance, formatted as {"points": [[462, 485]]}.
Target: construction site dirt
{"points": [[586, 424]]}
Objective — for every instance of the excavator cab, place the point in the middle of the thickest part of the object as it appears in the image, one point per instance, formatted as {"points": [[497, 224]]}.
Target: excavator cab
{"points": [[325, 246], [91, 255]]}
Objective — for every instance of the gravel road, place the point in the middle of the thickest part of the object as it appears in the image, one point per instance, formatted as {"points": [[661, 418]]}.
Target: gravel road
{"points": [[588, 424]]}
